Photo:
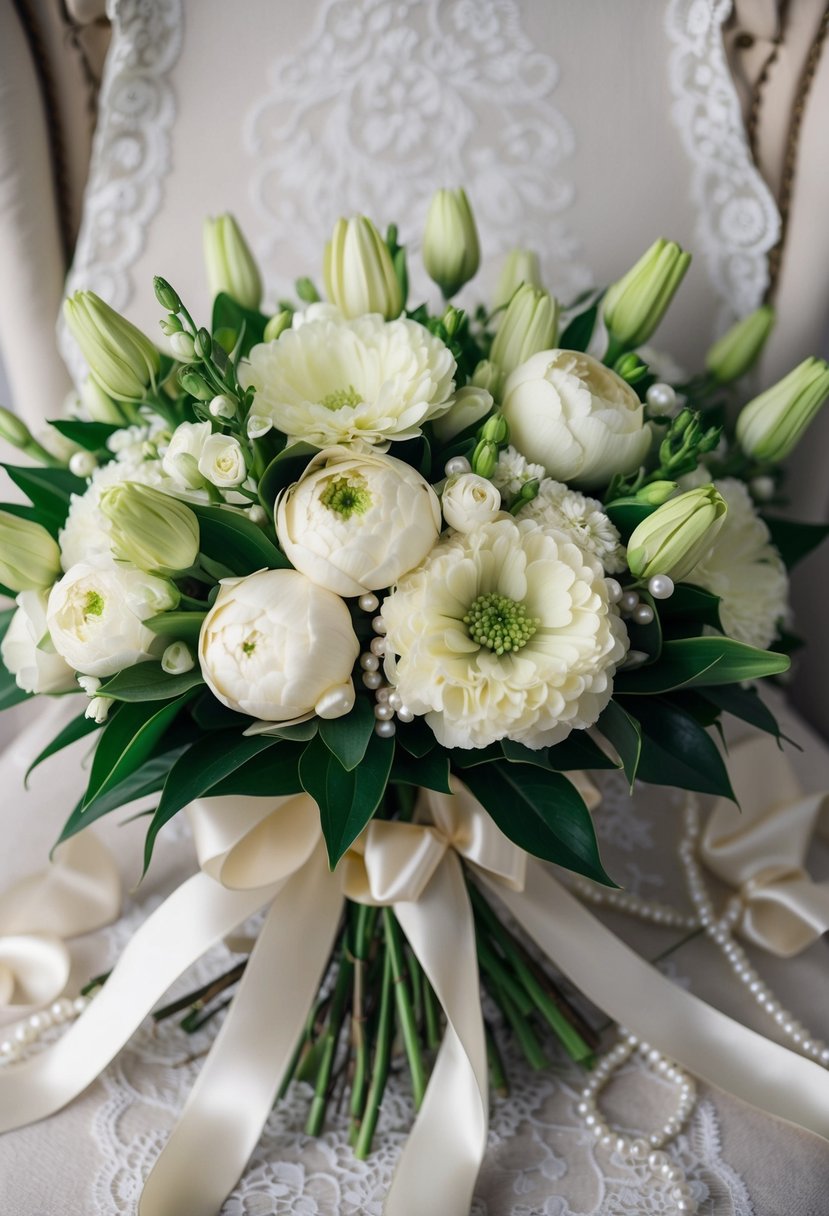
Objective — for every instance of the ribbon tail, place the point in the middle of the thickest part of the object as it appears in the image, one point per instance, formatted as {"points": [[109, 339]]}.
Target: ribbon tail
{"points": [[235, 1091], [197, 915], [705, 1041], [440, 1162]]}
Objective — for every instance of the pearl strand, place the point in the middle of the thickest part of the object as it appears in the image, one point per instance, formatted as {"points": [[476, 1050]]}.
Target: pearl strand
{"points": [[633, 905], [387, 701], [37, 1024]]}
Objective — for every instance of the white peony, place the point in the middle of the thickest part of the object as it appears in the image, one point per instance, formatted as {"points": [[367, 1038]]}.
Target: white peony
{"points": [[582, 519], [32, 661], [575, 416], [276, 646], [746, 571], [222, 461], [330, 380], [355, 522], [514, 471], [95, 617], [504, 633], [468, 501]]}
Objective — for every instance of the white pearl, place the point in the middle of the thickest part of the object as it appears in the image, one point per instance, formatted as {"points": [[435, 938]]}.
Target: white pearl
{"points": [[40, 1021], [80, 1003], [372, 679], [639, 1149], [762, 488], [378, 624], [336, 702], [643, 614], [383, 713], [369, 662], [61, 1010], [661, 398], [404, 714], [386, 730], [383, 695], [257, 514], [369, 602], [661, 586], [378, 646], [458, 464], [395, 700], [82, 464], [629, 601], [614, 590], [25, 1034]]}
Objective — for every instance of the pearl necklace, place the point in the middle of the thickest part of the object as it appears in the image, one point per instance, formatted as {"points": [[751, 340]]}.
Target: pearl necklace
{"points": [[37, 1024]]}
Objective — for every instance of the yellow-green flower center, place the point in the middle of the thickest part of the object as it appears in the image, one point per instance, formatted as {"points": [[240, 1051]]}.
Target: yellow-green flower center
{"points": [[341, 397], [346, 496], [499, 623], [94, 604]]}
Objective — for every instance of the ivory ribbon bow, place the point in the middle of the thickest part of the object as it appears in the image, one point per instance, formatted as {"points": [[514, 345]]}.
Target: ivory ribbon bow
{"points": [[761, 849], [78, 892], [258, 852]]}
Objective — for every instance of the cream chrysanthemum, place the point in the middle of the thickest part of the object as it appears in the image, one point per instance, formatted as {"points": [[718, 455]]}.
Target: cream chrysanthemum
{"points": [[514, 471], [505, 632], [580, 518], [330, 380], [746, 571]]}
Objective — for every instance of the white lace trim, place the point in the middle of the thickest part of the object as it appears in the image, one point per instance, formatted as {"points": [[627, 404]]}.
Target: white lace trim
{"points": [[130, 155], [738, 219]]}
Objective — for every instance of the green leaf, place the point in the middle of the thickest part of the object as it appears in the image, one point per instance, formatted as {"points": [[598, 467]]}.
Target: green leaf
{"points": [[746, 704], [149, 682], [628, 515], [689, 608], [10, 693], [348, 737], [295, 732], [127, 740], [228, 314], [92, 436], [624, 733], [417, 738], [346, 800], [578, 751], [701, 662], [49, 490], [646, 638], [77, 729], [474, 757], [541, 812], [228, 536], [183, 626], [578, 333], [20, 510], [285, 468], [270, 774], [677, 751], [147, 779], [210, 714], [430, 772], [795, 540]]}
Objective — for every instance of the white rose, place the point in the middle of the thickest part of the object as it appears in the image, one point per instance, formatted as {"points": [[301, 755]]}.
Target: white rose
{"points": [[95, 617], [181, 460], [222, 461], [278, 647], [356, 522], [35, 668], [575, 416], [469, 500]]}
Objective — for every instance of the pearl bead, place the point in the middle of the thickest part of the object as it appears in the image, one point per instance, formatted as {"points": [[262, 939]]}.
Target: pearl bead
{"points": [[378, 646], [369, 602], [643, 614], [383, 695], [629, 601], [372, 679], [457, 464], [61, 1010], [614, 590], [378, 624], [386, 730], [257, 514], [661, 398], [383, 713], [404, 714], [661, 586], [25, 1034], [395, 700], [80, 1003], [82, 464], [369, 662], [40, 1021], [336, 702]]}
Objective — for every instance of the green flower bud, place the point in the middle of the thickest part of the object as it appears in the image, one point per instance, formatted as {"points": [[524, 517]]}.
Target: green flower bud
{"points": [[277, 325], [738, 349], [166, 296], [678, 535], [656, 493], [453, 319], [170, 325], [630, 367], [520, 266], [635, 305], [183, 346], [487, 376], [194, 383], [203, 343], [122, 360], [29, 557], [451, 252], [359, 272], [528, 326], [485, 458], [306, 290], [13, 429], [99, 406], [152, 530], [231, 267], [496, 430], [770, 426]]}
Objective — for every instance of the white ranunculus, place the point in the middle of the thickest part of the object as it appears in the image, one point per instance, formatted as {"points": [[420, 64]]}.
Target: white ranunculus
{"points": [[34, 664], [581, 518], [504, 633], [575, 416], [746, 571], [222, 461], [96, 613], [355, 522], [468, 501], [274, 645], [329, 380]]}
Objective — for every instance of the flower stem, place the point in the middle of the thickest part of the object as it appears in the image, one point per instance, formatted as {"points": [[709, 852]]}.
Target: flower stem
{"points": [[494, 968], [522, 1029], [431, 1012], [380, 1072], [405, 1013], [497, 1072], [364, 919], [330, 1039]]}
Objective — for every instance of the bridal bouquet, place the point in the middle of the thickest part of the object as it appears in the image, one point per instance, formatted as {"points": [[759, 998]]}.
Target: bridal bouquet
{"points": [[380, 585]]}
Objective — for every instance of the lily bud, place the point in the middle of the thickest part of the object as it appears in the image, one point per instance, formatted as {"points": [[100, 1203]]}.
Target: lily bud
{"points": [[150, 529], [122, 360], [182, 346], [29, 556], [451, 252], [98, 405], [656, 493], [520, 266], [231, 267], [14, 429], [166, 296], [485, 458], [487, 376], [738, 349], [496, 430], [678, 535], [359, 272], [635, 305], [770, 426], [194, 383], [528, 326], [277, 325]]}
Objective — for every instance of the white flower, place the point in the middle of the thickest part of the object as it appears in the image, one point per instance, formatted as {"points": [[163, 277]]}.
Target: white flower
{"points": [[28, 654], [177, 659], [274, 645], [331, 380], [95, 617], [356, 522], [575, 416], [98, 709], [468, 405], [468, 501], [504, 633], [222, 461], [513, 471], [746, 571], [181, 460], [582, 519]]}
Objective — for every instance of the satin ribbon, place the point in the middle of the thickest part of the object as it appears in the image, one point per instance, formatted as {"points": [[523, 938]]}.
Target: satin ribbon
{"points": [[259, 853], [77, 892], [760, 849]]}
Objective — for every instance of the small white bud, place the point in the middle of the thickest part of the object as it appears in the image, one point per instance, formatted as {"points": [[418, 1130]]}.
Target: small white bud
{"points": [[177, 659]]}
